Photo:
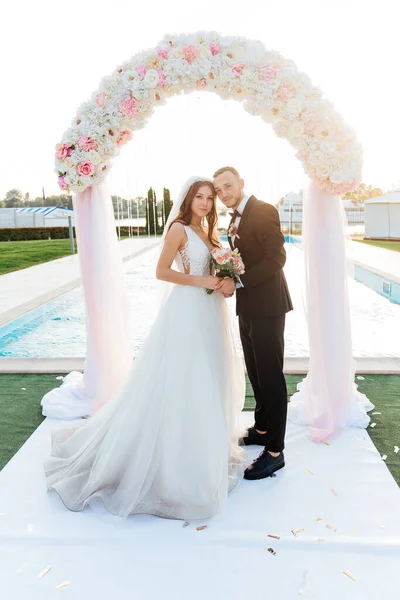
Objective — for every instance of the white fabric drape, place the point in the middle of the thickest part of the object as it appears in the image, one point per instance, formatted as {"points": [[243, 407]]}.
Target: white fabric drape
{"points": [[327, 399], [109, 349]]}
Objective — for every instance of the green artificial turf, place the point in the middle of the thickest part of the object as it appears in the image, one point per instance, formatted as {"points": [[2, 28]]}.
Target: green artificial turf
{"points": [[21, 415]]}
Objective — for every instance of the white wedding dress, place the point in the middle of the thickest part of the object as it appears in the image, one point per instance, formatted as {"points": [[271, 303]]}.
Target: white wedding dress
{"points": [[167, 443]]}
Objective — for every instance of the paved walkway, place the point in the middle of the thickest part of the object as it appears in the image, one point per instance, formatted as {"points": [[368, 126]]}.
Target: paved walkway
{"points": [[24, 290], [385, 263]]}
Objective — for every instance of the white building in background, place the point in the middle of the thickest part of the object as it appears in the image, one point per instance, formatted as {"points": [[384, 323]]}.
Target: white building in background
{"points": [[382, 217], [291, 211], [35, 216]]}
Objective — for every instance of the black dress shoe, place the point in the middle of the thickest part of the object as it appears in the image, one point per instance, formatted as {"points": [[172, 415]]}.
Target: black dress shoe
{"points": [[253, 438], [264, 466]]}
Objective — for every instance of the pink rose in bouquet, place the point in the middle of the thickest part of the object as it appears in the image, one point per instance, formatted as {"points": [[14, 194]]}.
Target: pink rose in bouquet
{"points": [[226, 263]]}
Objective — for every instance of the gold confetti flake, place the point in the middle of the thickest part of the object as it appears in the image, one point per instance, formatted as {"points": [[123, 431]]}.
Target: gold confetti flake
{"points": [[396, 449], [297, 531], [271, 551], [29, 528], [373, 425], [384, 457], [319, 520], [331, 528], [23, 389], [349, 575], [186, 524], [319, 539], [275, 537], [44, 572], [360, 377], [309, 472], [326, 443], [376, 413], [62, 585], [201, 528], [334, 492]]}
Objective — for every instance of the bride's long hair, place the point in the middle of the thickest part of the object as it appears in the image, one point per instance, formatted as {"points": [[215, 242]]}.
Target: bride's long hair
{"points": [[185, 212]]}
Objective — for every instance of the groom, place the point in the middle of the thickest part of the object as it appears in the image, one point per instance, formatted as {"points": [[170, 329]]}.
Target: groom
{"points": [[262, 301]]}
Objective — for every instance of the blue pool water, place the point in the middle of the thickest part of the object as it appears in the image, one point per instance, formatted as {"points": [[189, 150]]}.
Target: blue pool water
{"points": [[57, 329]]}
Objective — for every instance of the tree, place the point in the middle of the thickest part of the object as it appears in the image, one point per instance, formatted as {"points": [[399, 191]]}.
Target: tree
{"points": [[167, 205], [13, 198], [363, 192], [62, 200], [151, 213]]}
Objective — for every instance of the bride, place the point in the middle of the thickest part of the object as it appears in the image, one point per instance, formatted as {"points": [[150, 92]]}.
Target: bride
{"points": [[167, 443]]}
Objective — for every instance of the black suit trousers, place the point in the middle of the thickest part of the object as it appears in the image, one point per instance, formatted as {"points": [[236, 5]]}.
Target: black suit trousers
{"points": [[263, 346]]}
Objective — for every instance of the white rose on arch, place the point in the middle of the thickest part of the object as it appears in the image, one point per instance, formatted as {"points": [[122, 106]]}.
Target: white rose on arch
{"points": [[151, 78]]}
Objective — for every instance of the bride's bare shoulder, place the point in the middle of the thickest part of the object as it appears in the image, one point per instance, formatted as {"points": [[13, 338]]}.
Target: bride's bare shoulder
{"points": [[176, 231]]}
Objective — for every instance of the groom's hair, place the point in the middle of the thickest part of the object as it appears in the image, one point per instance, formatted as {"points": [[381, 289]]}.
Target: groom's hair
{"points": [[224, 169]]}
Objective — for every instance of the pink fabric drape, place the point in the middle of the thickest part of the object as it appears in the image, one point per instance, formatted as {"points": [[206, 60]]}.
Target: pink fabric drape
{"points": [[327, 399], [109, 342]]}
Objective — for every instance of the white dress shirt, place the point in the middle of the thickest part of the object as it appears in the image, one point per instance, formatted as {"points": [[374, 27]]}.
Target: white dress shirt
{"points": [[240, 209]]}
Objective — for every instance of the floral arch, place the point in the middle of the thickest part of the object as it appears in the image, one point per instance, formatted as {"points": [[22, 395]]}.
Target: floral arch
{"points": [[271, 87], [236, 68]]}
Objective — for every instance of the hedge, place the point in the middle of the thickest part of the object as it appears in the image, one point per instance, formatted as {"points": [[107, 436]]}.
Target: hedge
{"points": [[54, 233]]}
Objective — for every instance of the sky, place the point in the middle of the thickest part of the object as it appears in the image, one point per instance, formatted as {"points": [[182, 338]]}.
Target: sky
{"points": [[53, 55]]}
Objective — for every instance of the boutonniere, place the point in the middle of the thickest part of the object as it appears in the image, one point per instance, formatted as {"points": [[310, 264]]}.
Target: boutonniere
{"points": [[233, 231]]}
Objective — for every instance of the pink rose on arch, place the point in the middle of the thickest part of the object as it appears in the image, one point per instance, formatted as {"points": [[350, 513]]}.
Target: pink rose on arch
{"points": [[124, 137], [142, 70], [62, 151], [302, 155], [100, 100], [129, 107], [238, 69], [162, 79], [87, 143], [285, 91], [201, 83], [85, 168], [215, 49], [308, 118], [162, 53], [267, 72], [62, 183], [190, 53]]}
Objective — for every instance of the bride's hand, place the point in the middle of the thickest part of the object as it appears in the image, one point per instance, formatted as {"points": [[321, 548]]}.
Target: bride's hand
{"points": [[210, 282]]}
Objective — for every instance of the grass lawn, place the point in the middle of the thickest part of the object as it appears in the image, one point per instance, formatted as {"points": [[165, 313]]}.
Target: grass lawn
{"points": [[23, 254], [20, 255], [21, 415], [388, 245]]}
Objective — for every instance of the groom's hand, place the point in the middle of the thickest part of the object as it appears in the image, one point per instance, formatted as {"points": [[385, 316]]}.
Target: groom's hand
{"points": [[226, 287]]}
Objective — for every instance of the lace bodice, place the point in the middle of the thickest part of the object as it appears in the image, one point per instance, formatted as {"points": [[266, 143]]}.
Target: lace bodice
{"points": [[194, 256]]}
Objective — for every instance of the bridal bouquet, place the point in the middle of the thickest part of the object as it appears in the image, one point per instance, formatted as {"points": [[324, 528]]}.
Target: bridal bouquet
{"points": [[226, 263]]}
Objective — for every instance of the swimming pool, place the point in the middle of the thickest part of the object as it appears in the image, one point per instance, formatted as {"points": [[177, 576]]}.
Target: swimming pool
{"points": [[57, 329]]}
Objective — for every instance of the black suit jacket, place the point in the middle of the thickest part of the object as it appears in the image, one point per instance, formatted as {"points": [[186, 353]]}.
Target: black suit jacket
{"points": [[261, 245]]}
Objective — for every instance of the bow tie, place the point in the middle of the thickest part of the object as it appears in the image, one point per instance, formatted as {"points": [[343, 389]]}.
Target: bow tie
{"points": [[235, 214]]}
